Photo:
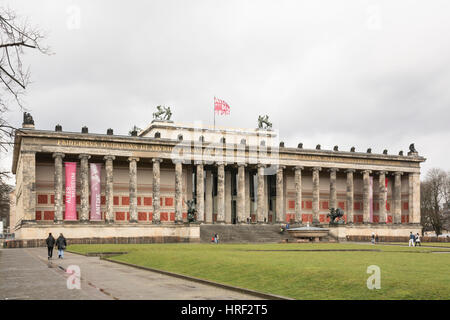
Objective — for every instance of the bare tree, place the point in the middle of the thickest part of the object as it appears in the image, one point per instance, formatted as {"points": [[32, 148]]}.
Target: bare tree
{"points": [[16, 37], [434, 197]]}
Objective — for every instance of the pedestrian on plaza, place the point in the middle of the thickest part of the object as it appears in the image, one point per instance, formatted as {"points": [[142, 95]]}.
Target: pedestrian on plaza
{"points": [[418, 240], [213, 238], [61, 244], [376, 238], [373, 238], [411, 240], [50, 241], [217, 238]]}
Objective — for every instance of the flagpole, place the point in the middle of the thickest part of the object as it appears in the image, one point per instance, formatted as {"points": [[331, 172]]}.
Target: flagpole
{"points": [[214, 110]]}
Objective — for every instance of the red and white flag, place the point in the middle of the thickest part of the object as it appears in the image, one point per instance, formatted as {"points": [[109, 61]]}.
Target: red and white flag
{"points": [[221, 107]]}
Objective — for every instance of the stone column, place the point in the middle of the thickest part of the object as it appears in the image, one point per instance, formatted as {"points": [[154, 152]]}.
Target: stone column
{"points": [[316, 194], [280, 217], [220, 192], [28, 162], [398, 197], [200, 193], [414, 204], [350, 195], [248, 176], [333, 195], [109, 190], [382, 197], [366, 196], [240, 205], [298, 193], [178, 192], [59, 208], [208, 197], [84, 192], [156, 191], [133, 188], [260, 195], [228, 197]]}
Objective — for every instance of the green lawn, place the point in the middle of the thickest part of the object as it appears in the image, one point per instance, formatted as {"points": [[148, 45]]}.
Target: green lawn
{"points": [[406, 273]]}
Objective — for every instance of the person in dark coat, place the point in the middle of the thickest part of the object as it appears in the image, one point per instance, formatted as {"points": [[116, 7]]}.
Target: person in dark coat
{"points": [[50, 241], [61, 244]]}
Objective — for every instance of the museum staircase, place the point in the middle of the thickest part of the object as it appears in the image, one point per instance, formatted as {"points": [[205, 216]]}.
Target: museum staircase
{"points": [[244, 233]]}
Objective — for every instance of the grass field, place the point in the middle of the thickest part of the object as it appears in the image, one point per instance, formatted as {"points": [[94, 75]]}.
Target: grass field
{"points": [[292, 270]]}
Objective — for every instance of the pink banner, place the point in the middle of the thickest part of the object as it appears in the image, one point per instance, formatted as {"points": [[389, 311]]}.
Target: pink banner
{"points": [[96, 213], [71, 191]]}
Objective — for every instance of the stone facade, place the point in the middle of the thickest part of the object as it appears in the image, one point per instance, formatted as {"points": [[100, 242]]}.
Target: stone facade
{"points": [[146, 181]]}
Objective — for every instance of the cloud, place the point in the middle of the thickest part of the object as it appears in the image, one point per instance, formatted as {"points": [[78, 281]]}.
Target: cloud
{"points": [[360, 73]]}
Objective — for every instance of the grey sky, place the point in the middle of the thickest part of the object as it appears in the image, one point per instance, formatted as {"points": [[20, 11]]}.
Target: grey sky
{"points": [[348, 73]]}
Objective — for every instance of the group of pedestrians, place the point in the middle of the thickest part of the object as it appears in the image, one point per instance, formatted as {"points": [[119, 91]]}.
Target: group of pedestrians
{"points": [[60, 243], [215, 238], [414, 240]]}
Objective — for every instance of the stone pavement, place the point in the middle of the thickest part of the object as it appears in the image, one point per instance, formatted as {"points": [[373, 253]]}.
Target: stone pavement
{"points": [[27, 274]]}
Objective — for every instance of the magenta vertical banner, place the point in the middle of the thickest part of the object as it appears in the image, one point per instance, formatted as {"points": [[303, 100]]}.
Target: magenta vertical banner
{"points": [[71, 191], [96, 213], [371, 198]]}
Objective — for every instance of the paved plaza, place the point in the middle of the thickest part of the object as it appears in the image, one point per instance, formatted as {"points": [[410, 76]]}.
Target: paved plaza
{"points": [[27, 274]]}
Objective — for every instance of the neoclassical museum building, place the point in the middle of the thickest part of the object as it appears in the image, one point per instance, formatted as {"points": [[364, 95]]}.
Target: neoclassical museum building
{"points": [[103, 186]]}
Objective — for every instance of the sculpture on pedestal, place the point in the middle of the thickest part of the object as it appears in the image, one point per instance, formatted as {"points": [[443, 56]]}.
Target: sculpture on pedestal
{"points": [[163, 113], [336, 214]]}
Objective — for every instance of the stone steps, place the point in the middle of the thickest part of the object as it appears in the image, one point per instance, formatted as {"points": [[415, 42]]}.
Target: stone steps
{"points": [[245, 233]]}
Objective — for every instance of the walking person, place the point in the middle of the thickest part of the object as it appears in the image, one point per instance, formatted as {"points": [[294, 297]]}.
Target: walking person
{"points": [[50, 241], [217, 238], [411, 240], [418, 240], [376, 238], [373, 238], [61, 245]]}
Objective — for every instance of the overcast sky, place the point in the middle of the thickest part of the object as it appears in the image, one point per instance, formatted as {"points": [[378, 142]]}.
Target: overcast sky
{"points": [[349, 73]]}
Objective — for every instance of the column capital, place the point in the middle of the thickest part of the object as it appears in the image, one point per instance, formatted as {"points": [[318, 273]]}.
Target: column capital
{"points": [[220, 163], [316, 168], [350, 170], [298, 168], [177, 161], [58, 155], [133, 159], [261, 165], [199, 162], [366, 171], [333, 169], [109, 157], [281, 168], [241, 164], [84, 156], [382, 172], [157, 160], [398, 173]]}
